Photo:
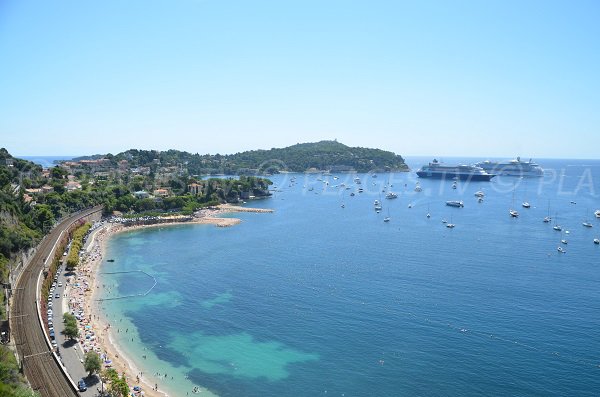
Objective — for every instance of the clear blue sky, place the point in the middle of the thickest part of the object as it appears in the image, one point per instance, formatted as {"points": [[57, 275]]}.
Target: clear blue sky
{"points": [[464, 78]]}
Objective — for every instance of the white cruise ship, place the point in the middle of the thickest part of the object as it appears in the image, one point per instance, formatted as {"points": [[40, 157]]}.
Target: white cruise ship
{"points": [[515, 167]]}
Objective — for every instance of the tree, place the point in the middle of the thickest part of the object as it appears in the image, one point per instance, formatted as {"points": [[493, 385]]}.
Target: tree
{"points": [[58, 172], [92, 362], [43, 217], [119, 387], [71, 331]]}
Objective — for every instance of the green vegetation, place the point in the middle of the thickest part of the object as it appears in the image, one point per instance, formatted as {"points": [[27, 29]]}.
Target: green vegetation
{"points": [[76, 245], [12, 383], [117, 385], [92, 362], [71, 331], [324, 155]]}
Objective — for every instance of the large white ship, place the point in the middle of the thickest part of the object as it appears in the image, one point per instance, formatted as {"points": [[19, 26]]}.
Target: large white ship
{"points": [[464, 172], [515, 167]]}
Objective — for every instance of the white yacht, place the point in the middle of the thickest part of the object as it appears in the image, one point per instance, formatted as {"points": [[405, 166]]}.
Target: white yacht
{"points": [[526, 204], [391, 195], [597, 213], [514, 167], [513, 213]]}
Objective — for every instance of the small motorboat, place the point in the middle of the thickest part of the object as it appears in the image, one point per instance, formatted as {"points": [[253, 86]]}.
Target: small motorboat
{"points": [[455, 203], [526, 204], [587, 224], [596, 241], [558, 228], [561, 250], [513, 213], [563, 241]]}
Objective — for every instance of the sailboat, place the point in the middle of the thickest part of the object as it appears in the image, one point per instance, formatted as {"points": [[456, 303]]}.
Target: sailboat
{"points": [[587, 223], [450, 225], [513, 213], [428, 214], [556, 226], [387, 218], [547, 218], [525, 202]]}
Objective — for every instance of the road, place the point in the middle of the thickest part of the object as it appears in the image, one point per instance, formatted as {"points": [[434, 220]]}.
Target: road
{"points": [[70, 351], [40, 367]]}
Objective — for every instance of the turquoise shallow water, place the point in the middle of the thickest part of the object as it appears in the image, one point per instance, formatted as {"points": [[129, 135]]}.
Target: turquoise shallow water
{"points": [[316, 299]]}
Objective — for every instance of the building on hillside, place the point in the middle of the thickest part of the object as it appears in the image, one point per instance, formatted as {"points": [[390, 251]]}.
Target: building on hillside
{"points": [[162, 192], [72, 185], [195, 189]]}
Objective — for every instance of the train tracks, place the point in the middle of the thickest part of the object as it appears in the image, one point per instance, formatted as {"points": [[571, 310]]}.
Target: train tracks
{"points": [[39, 364]]}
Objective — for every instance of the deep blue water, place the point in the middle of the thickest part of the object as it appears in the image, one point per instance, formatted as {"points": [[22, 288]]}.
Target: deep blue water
{"points": [[316, 299]]}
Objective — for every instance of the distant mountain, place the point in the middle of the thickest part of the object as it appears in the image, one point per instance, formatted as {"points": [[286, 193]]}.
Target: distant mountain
{"points": [[318, 156]]}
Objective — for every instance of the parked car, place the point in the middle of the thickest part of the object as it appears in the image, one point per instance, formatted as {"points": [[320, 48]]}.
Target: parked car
{"points": [[81, 385]]}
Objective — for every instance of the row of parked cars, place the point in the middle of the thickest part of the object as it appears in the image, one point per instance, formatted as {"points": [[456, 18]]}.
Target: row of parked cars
{"points": [[54, 294]]}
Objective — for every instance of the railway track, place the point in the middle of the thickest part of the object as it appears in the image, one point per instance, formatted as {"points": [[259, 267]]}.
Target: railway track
{"points": [[39, 365]]}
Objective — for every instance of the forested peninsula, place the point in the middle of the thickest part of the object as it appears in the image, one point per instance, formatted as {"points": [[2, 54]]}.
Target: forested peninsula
{"points": [[331, 156]]}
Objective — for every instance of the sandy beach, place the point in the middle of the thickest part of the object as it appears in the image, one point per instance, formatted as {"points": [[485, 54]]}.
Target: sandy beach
{"points": [[83, 291]]}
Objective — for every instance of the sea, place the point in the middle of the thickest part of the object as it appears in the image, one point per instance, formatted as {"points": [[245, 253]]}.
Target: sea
{"points": [[324, 298], [46, 161]]}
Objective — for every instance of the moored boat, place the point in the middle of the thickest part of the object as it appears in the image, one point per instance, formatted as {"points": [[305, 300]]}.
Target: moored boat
{"points": [[515, 167], [436, 170]]}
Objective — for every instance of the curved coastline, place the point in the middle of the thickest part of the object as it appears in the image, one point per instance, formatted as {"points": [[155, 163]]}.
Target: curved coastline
{"points": [[105, 340]]}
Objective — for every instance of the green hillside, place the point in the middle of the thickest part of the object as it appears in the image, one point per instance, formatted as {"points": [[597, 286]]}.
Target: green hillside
{"points": [[322, 156]]}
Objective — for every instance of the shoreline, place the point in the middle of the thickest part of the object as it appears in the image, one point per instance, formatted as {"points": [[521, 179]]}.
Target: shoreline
{"points": [[96, 331]]}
